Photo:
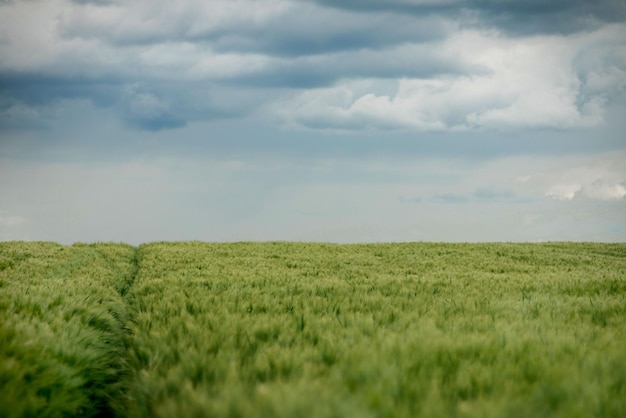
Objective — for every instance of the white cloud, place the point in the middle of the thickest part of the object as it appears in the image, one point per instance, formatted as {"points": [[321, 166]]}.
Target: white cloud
{"points": [[595, 190], [27, 30], [526, 82], [599, 178], [10, 220], [603, 191], [160, 20], [143, 39]]}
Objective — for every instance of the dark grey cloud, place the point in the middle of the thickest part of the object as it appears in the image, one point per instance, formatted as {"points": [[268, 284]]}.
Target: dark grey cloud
{"points": [[159, 106], [43, 89], [155, 122], [539, 17], [325, 70], [300, 34], [152, 105], [27, 101], [299, 31], [511, 16], [395, 6], [144, 109]]}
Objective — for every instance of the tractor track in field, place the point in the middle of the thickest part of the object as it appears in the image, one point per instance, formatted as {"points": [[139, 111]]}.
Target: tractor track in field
{"points": [[126, 318], [134, 272]]}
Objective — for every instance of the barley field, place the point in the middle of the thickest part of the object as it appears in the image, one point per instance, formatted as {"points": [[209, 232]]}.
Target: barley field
{"points": [[194, 329]]}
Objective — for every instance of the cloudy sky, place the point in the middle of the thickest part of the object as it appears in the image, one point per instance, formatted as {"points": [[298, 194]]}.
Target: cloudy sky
{"points": [[313, 120]]}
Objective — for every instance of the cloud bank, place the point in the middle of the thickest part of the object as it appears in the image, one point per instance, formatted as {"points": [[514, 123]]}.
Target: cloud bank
{"points": [[318, 65]]}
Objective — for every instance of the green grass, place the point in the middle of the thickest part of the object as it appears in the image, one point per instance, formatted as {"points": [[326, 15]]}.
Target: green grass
{"points": [[292, 330], [63, 348]]}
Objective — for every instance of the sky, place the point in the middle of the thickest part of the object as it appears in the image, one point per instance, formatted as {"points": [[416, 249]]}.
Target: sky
{"points": [[313, 120]]}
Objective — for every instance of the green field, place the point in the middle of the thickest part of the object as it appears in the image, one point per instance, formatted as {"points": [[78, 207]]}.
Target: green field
{"points": [[313, 330]]}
